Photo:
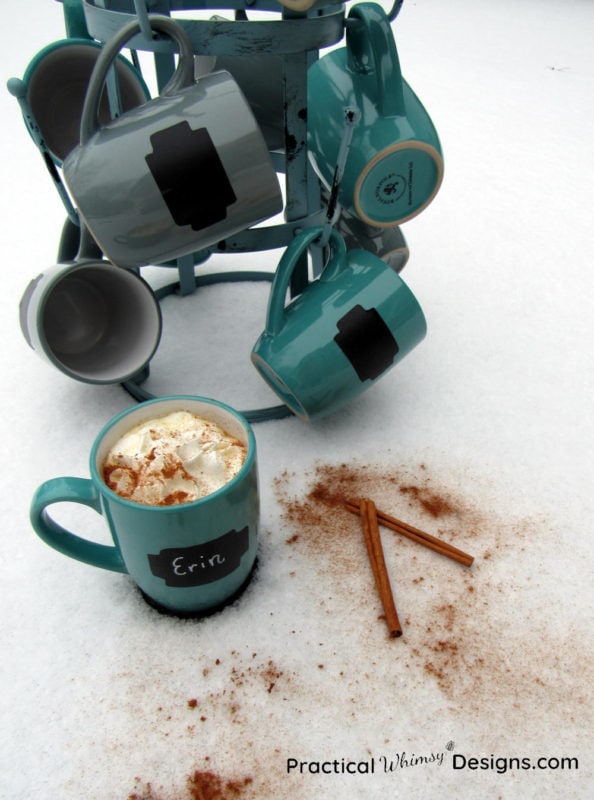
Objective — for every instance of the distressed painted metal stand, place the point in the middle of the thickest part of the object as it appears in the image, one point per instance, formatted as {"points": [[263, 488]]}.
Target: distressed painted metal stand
{"points": [[295, 37]]}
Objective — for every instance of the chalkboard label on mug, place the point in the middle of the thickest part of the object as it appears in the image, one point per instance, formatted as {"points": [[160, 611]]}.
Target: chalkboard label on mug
{"points": [[190, 175], [366, 341], [202, 563]]}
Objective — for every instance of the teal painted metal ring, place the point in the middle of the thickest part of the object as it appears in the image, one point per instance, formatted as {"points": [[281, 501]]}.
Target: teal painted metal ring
{"points": [[264, 414], [233, 37]]}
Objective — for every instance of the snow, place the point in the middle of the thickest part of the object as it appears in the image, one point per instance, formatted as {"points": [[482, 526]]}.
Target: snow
{"points": [[102, 697]]}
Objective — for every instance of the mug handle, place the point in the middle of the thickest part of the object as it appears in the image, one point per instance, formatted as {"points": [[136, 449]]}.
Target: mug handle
{"points": [[371, 49], [181, 78], [74, 490], [275, 315]]}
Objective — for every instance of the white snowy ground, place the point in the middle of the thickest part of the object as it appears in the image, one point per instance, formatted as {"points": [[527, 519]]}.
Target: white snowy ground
{"points": [[483, 435]]}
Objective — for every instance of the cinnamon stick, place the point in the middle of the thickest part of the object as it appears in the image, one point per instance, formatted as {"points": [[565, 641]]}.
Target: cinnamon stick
{"points": [[375, 552], [416, 535]]}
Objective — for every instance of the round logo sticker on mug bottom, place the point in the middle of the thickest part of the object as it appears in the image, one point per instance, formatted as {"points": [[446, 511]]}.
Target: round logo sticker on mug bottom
{"points": [[391, 188], [398, 183]]}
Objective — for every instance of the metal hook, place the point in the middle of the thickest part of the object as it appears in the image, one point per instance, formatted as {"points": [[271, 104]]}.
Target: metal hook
{"points": [[352, 116], [143, 20], [392, 14], [395, 10]]}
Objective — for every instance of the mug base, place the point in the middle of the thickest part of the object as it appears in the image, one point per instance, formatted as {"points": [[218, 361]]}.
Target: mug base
{"points": [[397, 184], [170, 612]]}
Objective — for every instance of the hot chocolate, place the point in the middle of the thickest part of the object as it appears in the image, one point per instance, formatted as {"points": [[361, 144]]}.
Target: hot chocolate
{"points": [[176, 458]]}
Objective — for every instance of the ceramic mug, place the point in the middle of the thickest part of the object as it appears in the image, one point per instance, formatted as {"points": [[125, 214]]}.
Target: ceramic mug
{"points": [[260, 78], [395, 166], [341, 334], [188, 559], [179, 173], [56, 82], [95, 322]]}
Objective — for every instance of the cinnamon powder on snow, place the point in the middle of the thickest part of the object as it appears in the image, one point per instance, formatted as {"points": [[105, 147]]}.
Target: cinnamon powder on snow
{"points": [[452, 615], [202, 785]]}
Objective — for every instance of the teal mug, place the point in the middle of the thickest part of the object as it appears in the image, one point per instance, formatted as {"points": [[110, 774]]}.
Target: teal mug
{"points": [[341, 334], [56, 82], [394, 167], [188, 559]]}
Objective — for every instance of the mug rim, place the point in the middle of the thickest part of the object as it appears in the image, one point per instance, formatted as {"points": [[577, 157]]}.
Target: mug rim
{"points": [[39, 56], [279, 385], [60, 272], [36, 63], [407, 144], [77, 41], [180, 399], [279, 375]]}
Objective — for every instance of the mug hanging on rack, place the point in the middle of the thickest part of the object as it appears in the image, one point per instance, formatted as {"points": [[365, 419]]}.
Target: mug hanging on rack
{"points": [[51, 97], [395, 165], [95, 322], [176, 175], [56, 82], [341, 334]]}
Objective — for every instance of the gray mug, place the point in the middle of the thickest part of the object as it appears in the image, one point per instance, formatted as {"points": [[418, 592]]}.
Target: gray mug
{"points": [[260, 78], [179, 173], [95, 322]]}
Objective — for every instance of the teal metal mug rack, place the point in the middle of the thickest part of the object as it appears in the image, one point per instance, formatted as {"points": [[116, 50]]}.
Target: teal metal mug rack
{"points": [[292, 32], [296, 38]]}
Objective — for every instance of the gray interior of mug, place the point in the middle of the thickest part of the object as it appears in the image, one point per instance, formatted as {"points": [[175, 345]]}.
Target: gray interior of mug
{"points": [[100, 323], [56, 92]]}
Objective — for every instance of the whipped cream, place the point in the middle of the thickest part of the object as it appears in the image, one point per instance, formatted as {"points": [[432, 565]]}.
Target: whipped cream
{"points": [[177, 458]]}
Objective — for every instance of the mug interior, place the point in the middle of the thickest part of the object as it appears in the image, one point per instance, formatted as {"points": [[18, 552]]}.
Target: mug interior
{"points": [[56, 90], [228, 419], [100, 323]]}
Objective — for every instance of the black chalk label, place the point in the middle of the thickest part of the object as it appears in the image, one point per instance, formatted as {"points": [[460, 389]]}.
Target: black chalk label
{"points": [[366, 341], [202, 563], [190, 175]]}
